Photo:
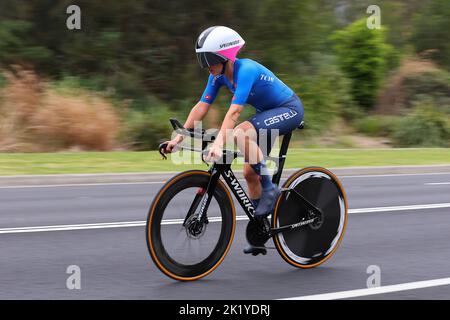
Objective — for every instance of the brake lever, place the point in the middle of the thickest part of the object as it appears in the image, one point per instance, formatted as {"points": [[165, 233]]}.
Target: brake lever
{"points": [[162, 146]]}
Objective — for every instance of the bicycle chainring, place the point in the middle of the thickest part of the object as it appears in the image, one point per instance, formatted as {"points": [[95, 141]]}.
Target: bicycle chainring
{"points": [[255, 236]]}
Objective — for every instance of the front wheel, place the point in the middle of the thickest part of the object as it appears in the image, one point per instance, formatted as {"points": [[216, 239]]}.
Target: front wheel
{"points": [[312, 244], [183, 246]]}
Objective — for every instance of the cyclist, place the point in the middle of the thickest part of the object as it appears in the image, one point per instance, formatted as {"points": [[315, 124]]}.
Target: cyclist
{"points": [[277, 108]]}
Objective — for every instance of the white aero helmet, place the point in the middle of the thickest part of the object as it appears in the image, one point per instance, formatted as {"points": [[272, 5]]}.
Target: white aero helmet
{"points": [[217, 45]]}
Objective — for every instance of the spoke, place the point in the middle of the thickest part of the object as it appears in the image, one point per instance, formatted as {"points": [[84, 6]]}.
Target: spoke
{"points": [[181, 247], [180, 236], [197, 250], [181, 207]]}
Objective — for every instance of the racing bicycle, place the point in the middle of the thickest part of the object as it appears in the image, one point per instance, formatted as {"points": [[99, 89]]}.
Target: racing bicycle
{"points": [[192, 219]]}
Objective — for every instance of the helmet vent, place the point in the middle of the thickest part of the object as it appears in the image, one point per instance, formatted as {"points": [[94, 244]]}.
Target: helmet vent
{"points": [[203, 36]]}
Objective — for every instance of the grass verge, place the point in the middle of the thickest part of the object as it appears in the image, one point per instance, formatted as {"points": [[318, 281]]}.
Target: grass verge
{"points": [[121, 162]]}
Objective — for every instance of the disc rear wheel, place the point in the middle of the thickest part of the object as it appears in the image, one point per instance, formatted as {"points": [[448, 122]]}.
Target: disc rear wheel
{"points": [[313, 243]]}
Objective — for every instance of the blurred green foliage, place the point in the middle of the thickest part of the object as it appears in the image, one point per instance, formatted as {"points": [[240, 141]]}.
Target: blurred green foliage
{"points": [[426, 126], [138, 47], [431, 31], [140, 54], [377, 125], [324, 91], [146, 129], [2, 79], [363, 55], [432, 84], [17, 45]]}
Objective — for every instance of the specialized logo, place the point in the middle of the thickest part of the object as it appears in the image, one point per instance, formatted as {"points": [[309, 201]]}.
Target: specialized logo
{"points": [[280, 117], [202, 208], [228, 44], [239, 192], [296, 225]]}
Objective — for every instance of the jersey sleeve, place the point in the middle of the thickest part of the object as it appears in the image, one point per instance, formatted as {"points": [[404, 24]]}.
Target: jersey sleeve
{"points": [[211, 90], [244, 83]]}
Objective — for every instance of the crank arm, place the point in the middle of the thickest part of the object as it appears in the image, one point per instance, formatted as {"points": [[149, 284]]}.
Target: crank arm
{"points": [[270, 248]]}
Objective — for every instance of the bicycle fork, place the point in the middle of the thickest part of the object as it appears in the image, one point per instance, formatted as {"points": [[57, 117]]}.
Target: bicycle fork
{"points": [[202, 200]]}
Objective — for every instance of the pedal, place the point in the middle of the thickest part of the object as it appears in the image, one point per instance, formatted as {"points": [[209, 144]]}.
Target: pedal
{"points": [[255, 250]]}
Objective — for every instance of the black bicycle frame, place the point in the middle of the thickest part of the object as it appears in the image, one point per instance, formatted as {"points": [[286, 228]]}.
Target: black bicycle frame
{"points": [[223, 169]]}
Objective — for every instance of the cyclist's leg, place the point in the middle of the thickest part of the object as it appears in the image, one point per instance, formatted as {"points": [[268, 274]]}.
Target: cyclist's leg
{"points": [[246, 140], [268, 124], [255, 171], [253, 183]]}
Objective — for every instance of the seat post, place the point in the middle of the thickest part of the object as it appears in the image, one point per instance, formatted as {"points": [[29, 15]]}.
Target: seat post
{"points": [[282, 157]]}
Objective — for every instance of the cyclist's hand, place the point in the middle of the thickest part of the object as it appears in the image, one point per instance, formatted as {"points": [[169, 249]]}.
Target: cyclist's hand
{"points": [[215, 153], [171, 146]]}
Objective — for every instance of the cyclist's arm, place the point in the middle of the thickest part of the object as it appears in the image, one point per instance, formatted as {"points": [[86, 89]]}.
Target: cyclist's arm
{"points": [[229, 122], [197, 113], [246, 78], [200, 110]]}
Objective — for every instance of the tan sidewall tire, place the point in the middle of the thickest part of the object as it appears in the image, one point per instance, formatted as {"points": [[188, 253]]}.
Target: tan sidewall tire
{"points": [[158, 196]]}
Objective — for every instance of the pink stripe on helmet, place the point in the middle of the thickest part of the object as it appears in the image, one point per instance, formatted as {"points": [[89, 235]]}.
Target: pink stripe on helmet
{"points": [[230, 53]]}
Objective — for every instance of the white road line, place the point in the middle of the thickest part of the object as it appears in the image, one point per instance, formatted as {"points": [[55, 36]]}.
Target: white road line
{"points": [[436, 183], [180, 221], [125, 224], [81, 185], [161, 182], [68, 227], [401, 208], [376, 290], [395, 175], [88, 226]]}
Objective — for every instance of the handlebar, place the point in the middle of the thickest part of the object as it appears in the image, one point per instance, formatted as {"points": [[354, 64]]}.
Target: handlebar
{"points": [[161, 147], [205, 137], [194, 133]]}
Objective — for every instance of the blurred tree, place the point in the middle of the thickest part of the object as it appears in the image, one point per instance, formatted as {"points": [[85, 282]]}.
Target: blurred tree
{"points": [[395, 14], [16, 47], [362, 55], [142, 51], [287, 32], [431, 31], [141, 46], [137, 47]]}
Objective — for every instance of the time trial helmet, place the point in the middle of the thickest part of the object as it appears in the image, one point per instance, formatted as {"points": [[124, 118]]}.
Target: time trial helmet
{"points": [[216, 45]]}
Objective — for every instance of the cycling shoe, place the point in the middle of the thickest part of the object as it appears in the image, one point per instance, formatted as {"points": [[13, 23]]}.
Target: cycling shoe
{"points": [[267, 202]]}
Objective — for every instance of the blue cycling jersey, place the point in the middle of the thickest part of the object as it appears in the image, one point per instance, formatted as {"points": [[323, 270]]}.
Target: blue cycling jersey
{"points": [[253, 84]]}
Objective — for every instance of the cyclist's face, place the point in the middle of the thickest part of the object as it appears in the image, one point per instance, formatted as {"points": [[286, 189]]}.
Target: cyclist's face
{"points": [[215, 69]]}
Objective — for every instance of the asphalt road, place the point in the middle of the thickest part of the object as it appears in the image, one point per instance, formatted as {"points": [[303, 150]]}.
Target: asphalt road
{"points": [[407, 243]]}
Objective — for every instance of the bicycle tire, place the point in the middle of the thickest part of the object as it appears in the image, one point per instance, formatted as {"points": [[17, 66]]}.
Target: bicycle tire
{"points": [[310, 246], [158, 253]]}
